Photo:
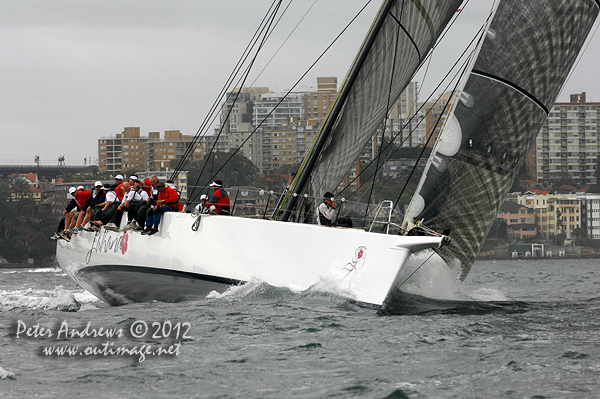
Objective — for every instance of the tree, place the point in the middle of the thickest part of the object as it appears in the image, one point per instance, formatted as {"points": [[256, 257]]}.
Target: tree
{"points": [[19, 186], [232, 169], [499, 229], [579, 233]]}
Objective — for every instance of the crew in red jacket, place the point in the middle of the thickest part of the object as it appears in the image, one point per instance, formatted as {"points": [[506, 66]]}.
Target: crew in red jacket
{"points": [[119, 190], [219, 202], [167, 202]]}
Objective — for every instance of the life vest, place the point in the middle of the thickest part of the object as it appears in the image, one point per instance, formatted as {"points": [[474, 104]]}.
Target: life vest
{"points": [[170, 198], [220, 200], [82, 197], [120, 192]]}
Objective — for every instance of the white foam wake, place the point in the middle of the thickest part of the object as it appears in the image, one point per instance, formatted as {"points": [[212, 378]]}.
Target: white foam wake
{"points": [[5, 374], [435, 279], [33, 270], [59, 298]]}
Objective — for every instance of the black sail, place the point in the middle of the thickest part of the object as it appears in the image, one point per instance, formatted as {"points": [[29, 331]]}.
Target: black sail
{"points": [[402, 35], [527, 54]]}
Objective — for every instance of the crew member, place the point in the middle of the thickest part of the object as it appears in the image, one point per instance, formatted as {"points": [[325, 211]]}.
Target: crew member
{"points": [[201, 207], [167, 202], [327, 210], [219, 202], [97, 197], [119, 190]]}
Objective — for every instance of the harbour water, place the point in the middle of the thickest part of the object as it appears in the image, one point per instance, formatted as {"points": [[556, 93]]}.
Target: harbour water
{"points": [[513, 329]]}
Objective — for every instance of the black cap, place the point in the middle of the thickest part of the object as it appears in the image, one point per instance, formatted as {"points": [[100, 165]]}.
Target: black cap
{"points": [[328, 196]]}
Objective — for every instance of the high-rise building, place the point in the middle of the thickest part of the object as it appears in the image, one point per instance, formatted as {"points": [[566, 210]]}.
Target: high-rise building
{"points": [[129, 151], [567, 144], [258, 115]]}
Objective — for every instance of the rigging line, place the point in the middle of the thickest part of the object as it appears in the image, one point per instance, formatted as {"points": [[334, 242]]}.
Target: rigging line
{"points": [[243, 57], [420, 7], [433, 130], [189, 201], [213, 111], [392, 292], [581, 53], [436, 44], [202, 130], [422, 152], [389, 96], [406, 32], [285, 41], [301, 182], [299, 80], [227, 84], [477, 35], [465, 63]]}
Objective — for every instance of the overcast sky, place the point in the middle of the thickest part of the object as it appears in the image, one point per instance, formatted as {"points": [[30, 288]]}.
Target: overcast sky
{"points": [[73, 71]]}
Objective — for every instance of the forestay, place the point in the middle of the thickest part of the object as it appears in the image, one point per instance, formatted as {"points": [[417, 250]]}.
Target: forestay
{"points": [[524, 60], [401, 37]]}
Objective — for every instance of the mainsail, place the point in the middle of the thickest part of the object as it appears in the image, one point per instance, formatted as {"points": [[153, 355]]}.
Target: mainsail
{"points": [[402, 35], [524, 60]]}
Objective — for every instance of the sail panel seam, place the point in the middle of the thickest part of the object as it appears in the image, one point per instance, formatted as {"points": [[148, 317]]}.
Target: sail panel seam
{"points": [[425, 15], [513, 86], [483, 164], [408, 35]]}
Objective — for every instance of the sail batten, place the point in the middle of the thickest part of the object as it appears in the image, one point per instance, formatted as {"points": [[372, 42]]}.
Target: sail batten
{"points": [[522, 64], [514, 86]]}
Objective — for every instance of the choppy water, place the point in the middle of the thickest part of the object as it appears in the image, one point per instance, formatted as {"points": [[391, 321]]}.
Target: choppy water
{"points": [[514, 329]]}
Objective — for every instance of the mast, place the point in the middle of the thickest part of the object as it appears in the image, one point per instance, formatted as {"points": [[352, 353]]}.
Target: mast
{"points": [[300, 185], [401, 36]]}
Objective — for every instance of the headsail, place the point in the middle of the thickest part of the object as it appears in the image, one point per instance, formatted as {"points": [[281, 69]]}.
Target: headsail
{"points": [[402, 35], [524, 60]]}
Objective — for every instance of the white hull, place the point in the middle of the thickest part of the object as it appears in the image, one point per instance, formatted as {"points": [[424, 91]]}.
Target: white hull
{"points": [[178, 263]]}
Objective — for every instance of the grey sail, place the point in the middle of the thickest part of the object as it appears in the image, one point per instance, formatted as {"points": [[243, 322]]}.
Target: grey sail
{"points": [[402, 35], [524, 60]]}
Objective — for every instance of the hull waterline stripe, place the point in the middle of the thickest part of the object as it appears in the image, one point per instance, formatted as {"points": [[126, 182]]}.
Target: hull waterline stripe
{"points": [[166, 272], [513, 86], [193, 276]]}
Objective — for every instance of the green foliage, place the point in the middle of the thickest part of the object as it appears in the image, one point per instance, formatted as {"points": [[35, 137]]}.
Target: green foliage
{"points": [[19, 186], [579, 233], [239, 171], [588, 242], [22, 234], [558, 239], [499, 229]]}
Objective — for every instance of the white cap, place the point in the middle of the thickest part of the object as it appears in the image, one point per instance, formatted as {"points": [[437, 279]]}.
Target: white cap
{"points": [[171, 185], [119, 177], [134, 177], [80, 188], [72, 190], [98, 183], [213, 184], [203, 196]]}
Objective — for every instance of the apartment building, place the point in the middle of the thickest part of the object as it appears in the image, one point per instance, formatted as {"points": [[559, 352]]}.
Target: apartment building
{"points": [[567, 145], [129, 151], [554, 213]]}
